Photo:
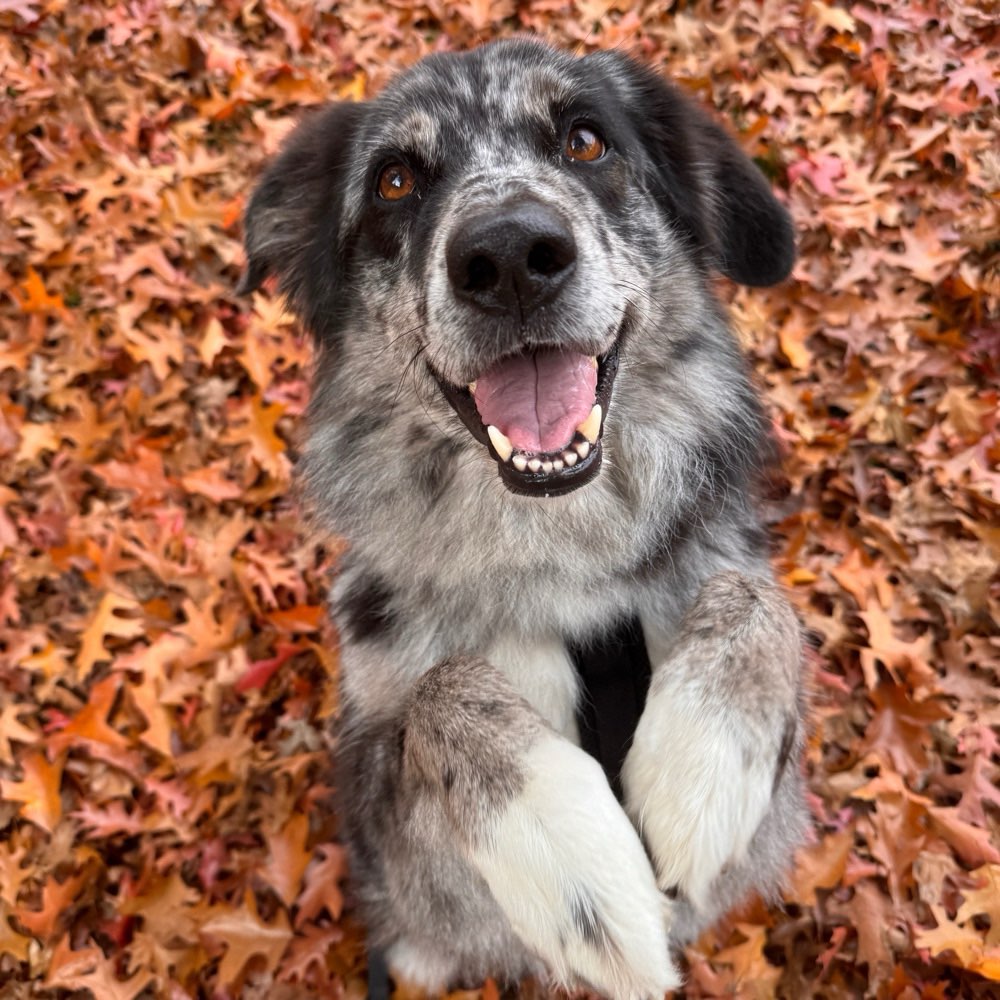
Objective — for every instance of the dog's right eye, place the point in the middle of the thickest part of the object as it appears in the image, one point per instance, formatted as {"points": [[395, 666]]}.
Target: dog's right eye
{"points": [[395, 181], [584, 144]]}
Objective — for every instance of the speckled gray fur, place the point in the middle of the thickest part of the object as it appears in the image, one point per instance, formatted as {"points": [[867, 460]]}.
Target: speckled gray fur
{"points": [[456, 596]]}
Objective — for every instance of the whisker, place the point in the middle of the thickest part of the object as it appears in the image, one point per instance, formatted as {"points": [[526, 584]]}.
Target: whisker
{"points": [[406, 370]]}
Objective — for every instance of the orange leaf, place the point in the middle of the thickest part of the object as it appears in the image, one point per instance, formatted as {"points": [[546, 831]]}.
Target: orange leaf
{"points": [[901, 659], [11, 728], [90, 723], [288, 858], [107, 622], [38, 790], [821, 865], [212, 482], [57, 898], [33, 296]]}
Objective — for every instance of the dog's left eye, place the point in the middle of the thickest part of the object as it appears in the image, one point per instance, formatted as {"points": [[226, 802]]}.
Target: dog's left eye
{"points": [[583, 143], [395, 181]]}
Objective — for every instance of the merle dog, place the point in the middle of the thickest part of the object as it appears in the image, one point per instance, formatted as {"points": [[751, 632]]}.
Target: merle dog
{"points": [[533, 426]]}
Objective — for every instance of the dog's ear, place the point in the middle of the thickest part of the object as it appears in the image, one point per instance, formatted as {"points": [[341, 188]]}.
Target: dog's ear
{"points": [[753, 231], [717, 194], [292, 223]]}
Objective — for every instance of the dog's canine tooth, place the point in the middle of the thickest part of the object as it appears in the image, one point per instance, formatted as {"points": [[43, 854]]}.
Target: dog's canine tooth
{"points": [[591, 427], [520, 462], [570, 457], [593, 363], [534, 464], [582, 448], [500, 442]]}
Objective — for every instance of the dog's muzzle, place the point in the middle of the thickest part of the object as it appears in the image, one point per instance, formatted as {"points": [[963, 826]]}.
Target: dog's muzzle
{"points": [[539, 408]]}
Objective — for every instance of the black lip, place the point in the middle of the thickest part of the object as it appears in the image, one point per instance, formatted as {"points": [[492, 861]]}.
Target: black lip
{"points": [[541, 484]]}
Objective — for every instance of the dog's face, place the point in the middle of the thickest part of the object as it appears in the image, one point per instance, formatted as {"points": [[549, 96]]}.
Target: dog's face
{"points": [[501, 227]]}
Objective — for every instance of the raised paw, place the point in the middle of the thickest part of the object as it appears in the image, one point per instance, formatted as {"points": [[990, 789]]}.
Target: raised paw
{"points": [[537, 820], [569, 871], [719, 726]]}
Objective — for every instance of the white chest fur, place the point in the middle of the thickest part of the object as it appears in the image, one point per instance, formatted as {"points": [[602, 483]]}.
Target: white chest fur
{"points": [[543, 674]]}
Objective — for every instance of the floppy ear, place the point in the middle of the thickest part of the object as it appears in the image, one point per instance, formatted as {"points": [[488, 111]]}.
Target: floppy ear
{"points": [[753, 230], [292, 223], [714, 190]]}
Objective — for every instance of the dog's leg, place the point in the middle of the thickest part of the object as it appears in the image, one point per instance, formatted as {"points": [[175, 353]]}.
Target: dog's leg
{"points": [[721, 724], [534, 817]]}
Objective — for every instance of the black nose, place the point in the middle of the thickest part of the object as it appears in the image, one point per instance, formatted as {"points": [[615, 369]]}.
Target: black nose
{"points": [[512, 259]]}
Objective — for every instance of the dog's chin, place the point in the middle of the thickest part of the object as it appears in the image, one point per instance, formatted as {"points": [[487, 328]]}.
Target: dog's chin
{"points": [[536, 465]]}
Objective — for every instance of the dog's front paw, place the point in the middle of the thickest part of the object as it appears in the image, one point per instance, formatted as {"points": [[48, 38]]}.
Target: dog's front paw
{"points": [[697, 792], [567, 868], [718, 728]]}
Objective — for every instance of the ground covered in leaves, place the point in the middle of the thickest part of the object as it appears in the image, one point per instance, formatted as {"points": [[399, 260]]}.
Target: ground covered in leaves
{"points": [[166, 679]]}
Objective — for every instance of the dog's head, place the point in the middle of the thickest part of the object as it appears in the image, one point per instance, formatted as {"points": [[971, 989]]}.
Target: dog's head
{"points": [[505, 225]]}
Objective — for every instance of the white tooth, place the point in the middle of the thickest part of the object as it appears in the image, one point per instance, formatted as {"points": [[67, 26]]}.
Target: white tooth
{"points": [[570, 458], [591, 427], [472, 388], [546, 467], [519, 462], [593, 363], [534, 464], [500, 442], [558, 465], [582, 448]]}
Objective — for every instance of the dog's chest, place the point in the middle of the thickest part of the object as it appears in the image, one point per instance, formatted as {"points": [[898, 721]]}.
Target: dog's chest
{"points": [[593, 693], [543, 674]]}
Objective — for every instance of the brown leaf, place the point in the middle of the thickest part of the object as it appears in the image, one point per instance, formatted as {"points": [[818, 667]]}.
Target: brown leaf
{"points": [[323, 878], [246, 936], [287, 858], [821, 865]]}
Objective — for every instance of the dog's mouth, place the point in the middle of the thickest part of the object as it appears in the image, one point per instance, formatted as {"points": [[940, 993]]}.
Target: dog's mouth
{"points": [[541, 414]]}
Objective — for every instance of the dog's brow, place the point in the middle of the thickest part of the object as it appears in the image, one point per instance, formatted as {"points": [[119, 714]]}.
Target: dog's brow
{"points": [[538, 91], [416, 132]]}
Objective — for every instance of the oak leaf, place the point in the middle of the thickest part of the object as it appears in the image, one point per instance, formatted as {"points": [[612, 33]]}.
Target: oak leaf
{"points": [[287, 858], [38, 790], [11, 942], [323, 878], [245, 937], [107, 621], [91, 722], [88, 969], [11, 728], [57, 901], [984, 900]]}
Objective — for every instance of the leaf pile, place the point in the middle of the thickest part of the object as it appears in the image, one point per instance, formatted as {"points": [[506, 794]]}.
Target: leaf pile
{"points": [[166, 676]]}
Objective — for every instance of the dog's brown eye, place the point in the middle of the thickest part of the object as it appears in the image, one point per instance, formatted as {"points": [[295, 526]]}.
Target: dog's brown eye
{"points": [[584, 143], [395, 181]]}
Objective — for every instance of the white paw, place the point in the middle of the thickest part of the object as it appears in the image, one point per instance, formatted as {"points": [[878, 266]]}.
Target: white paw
{"points": [[567, 868], [697, 785]]}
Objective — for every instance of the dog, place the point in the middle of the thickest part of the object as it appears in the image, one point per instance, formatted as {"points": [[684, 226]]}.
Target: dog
{"points": [[533, 426]]}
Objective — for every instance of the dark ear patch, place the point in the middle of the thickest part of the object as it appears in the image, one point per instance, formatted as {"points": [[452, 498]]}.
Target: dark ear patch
{"points": [[297, 206], [717, 195], [754, 234]]}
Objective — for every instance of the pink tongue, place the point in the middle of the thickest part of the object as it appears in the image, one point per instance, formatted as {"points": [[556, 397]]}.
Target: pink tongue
{"points": [[538, 399]]}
